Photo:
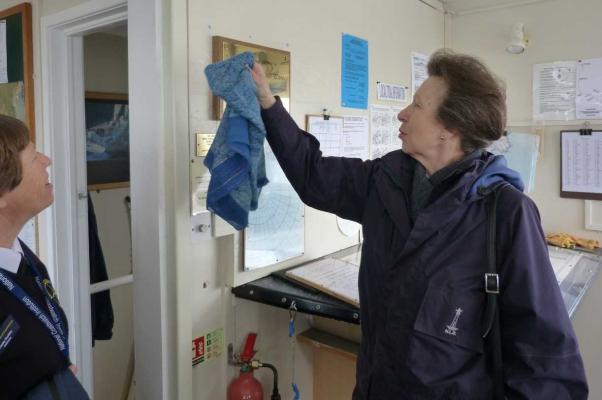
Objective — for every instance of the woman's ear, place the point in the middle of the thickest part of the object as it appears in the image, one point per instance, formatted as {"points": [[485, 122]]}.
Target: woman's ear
{"points": [[3, 202], [453, 133]]}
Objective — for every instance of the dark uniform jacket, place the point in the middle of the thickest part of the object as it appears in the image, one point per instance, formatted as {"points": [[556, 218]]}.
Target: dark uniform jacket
{"points": [[422, 283], [32, 356]]}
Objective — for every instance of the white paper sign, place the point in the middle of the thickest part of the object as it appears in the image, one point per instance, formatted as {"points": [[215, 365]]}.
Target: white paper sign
{"points": [[356, 137], [3, 54], [391, 92], [554, 91], [384, 130], [589, 89], [419, 70]]}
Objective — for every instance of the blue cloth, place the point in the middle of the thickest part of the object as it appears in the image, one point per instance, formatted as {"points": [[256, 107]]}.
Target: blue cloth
{"points": [[236, 158]]}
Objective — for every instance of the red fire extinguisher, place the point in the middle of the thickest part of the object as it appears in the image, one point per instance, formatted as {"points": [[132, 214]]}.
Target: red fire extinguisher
{"points": [[245, 386]]}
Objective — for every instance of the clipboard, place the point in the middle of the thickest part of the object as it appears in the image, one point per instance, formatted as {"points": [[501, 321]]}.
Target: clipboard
{"points": [[581, 164]]}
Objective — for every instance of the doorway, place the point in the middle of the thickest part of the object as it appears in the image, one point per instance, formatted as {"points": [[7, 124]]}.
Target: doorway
{"points": [[109, 222], [64, 139]]}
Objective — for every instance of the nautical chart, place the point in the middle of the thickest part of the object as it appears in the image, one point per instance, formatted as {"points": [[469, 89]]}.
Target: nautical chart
{"points": [[276, 230]]}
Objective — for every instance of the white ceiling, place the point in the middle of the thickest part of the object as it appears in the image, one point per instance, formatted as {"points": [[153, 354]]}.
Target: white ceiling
{"points": [[470, 6]]}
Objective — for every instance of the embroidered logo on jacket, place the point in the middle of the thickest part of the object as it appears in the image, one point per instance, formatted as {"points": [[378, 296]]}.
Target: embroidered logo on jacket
{"points": [[451, 329]]}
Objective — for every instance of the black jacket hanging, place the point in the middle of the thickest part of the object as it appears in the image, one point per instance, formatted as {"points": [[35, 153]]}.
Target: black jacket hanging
{"points": [[100, 303]]}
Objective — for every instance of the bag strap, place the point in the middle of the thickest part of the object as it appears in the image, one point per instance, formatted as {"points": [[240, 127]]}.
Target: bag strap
{"points": [[492, 330], [54, 390]]}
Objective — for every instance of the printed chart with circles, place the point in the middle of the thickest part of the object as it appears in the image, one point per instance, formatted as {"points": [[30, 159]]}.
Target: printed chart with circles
{"points": [[276, 230]]}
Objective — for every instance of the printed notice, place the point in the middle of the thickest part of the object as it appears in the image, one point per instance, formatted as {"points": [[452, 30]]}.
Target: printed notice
{"points": [[589, 89], [3, 54], [581, 157], [355, 140], [419, 71], [384, 130], [208, 347], [554, 91], [354, 72]]}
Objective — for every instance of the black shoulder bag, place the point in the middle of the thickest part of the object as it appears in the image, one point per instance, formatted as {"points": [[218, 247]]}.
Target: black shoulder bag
{"points": [[491, 332]]}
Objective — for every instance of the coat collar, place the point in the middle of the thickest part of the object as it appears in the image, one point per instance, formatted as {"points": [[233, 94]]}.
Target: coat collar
{"points": [[394, 184]]}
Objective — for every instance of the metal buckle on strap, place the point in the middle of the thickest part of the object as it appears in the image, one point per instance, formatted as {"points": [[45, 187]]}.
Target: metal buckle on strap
{"points": [[492, 283]]}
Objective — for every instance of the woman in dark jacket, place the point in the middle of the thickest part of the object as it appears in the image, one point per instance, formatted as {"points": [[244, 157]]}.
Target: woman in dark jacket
{"points": [[423, 211], [34, 337]]}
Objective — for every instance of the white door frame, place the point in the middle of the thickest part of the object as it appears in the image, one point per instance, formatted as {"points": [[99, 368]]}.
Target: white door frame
{"points": [[64, 140]]}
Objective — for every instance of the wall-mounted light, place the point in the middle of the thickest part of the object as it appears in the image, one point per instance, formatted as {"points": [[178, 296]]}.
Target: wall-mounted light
{"points": [[518, 42]]}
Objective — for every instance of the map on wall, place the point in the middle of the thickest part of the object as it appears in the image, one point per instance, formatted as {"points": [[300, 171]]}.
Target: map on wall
{"points": [[12, 100], [276, 230]]}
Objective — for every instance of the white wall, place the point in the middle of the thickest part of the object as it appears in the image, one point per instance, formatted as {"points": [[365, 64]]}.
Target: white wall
{"points": [[311, 31], [557, 30], [105, 70], [106, 63]]}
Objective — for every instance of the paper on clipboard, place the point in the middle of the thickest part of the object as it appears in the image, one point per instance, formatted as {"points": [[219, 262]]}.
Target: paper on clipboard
{"points": [[328, 131], [581, 155], [346, 136], [336, 277]]}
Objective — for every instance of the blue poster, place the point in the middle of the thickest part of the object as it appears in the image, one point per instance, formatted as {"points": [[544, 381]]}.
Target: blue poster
{"points": [[354, 72]]}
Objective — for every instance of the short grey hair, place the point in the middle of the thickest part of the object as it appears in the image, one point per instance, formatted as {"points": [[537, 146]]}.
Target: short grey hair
{"points": [[475, 103]]}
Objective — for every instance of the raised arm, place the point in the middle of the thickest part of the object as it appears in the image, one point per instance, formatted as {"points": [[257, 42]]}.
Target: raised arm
{"points": [[334, 184]]}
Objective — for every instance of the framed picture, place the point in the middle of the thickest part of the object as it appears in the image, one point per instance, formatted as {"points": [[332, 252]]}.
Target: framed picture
{"points": [[276, 63], [107, 140]]}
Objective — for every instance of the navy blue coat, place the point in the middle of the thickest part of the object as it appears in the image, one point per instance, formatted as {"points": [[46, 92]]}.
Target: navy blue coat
{"points": [[414, 277]]}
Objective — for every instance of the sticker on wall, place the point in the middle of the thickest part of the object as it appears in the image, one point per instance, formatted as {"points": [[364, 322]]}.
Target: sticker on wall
{"points": [[391, 92], [207, 347]]}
